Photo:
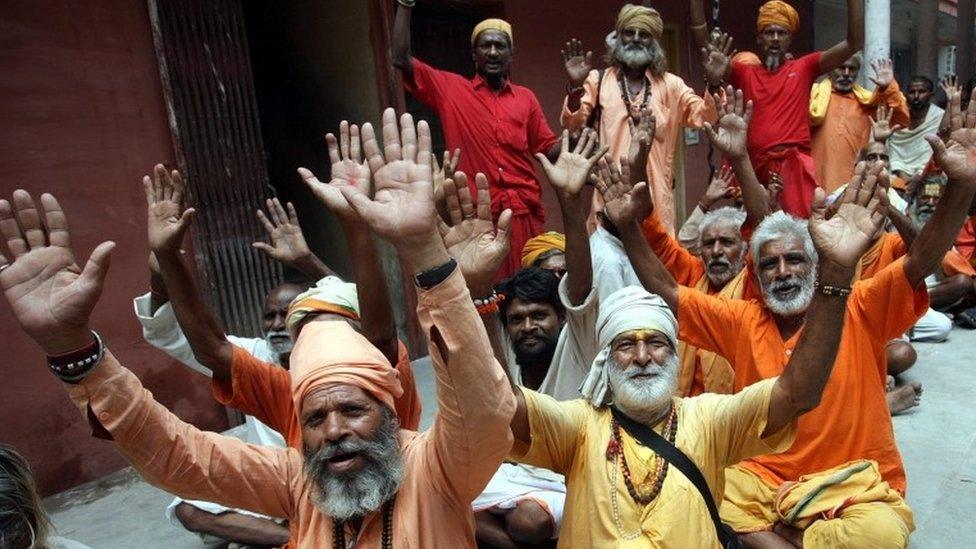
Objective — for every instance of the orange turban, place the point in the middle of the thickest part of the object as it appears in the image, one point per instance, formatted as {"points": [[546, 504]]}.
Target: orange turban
{"points": [[535, 247], [332, 353], [746, 58], [776, 12], [492, 24], [640, 17]]}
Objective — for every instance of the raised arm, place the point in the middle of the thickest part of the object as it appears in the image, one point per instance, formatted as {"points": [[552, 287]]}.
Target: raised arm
{"points": [[853, 42], [731, 138], [840, 242], [568, 176], [957, 158], [699, 25], [470, 435], [578, 67], [52, 299], [626, 206], [288, 244], [400, 52], [349, 169], [168, 222]]}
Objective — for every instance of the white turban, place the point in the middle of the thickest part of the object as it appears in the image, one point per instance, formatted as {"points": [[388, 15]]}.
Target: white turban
{"points": [[629, 308], [329, 295]]}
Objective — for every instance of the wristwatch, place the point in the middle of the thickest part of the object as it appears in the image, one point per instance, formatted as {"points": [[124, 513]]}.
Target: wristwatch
{"points": [[434, 276]]}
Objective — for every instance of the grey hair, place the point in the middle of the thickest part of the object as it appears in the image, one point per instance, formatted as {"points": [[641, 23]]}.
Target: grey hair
{"points": [[23, 520], [659, 60], [782, 225], [726, 214]]}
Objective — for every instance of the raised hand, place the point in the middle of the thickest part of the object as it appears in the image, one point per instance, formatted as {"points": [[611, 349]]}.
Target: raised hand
{"points": [[957, 155], [773, 189], [472, 239], [578, 64], [641, 139], [168, 220], [287, 241], [50, 296], [884, 73], [717, 58], [443, 172], [844, 237], [720, 188], [881, 128], [348, 170], [624, 202], [570, 172], [732, 136]]}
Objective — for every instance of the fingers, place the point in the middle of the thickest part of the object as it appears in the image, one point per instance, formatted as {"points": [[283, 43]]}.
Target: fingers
{"points": [[56, 221], [372, 149], [159, 172], [391, 137], [971, 111], [546, 165], [504, 227], [147, 186], [598, 183], [408, 137], [263, 219], [451, 187], [354, 144], [938, 148], [818, 210], [361, 204], [11, 230], [267, 249], [344, 139], [596, 157], [279, 212], [483, 204], [30, 219], [177, 186], [425, 145], [97, 266], [464, 198], [590, 143], [455, 160], [292, 214], [710, 131], [564, 143]]}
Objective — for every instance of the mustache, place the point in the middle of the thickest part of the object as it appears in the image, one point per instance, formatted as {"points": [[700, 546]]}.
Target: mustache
{"points": [[721, 260], [540, 335], [786, 284]]}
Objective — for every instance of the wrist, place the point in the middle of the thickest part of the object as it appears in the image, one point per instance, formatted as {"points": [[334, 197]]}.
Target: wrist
{"points": [[420, 257], [407, 3], [66, 341], [833, 274]]}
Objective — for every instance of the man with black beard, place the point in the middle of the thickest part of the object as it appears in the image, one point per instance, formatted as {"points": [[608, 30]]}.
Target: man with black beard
{"points": [[759, 336], [636, 79], [907, 147]]}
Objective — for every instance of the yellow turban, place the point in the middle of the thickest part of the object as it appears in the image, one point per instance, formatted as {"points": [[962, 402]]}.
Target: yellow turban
{"points": [[492, 24], [545, 242], [776, 12], [640, 17]]}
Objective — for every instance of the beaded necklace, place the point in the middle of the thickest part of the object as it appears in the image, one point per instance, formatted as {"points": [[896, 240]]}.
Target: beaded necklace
{"points": [[339, 529], [633, 110], [615, 454]]}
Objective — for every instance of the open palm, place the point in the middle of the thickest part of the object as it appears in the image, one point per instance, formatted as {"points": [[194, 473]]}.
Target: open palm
{"points": [[732, 135], [572, 167], [51, 297], [845, 236], [287, 240], [167, 220], [348, 170], [472, 239], [957, 155]]}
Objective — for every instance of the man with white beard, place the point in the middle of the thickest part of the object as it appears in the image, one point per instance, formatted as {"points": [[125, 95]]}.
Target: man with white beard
{"points": [[759, 336], [636, 79], [634, 379]]}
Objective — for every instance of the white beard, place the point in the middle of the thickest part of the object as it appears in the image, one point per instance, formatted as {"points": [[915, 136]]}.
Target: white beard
{"points": [[797, 304], [644, 400], [726, 277]]}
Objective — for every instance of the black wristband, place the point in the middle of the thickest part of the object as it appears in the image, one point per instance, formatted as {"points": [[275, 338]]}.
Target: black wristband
{"points": [[434, 276], [73, 366]]}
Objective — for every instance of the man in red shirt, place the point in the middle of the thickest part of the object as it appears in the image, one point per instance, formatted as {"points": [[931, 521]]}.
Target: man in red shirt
{"points": [[779, 88], [498, 125]]}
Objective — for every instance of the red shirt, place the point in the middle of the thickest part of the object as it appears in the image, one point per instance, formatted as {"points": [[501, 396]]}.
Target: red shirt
{"points": [[781, 102], [497, 132]]}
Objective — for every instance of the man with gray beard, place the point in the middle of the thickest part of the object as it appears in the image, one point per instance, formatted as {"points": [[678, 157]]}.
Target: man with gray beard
{"points": [[635, 376], [636, 78]]}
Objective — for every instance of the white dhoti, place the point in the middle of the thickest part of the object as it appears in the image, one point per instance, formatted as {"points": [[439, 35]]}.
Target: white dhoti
{"points": [[513, 483], [933, 327]]}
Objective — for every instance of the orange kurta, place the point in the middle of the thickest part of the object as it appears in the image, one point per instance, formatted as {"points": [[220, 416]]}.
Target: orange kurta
{"points": [[675, 106], [966, 241], [845, 130], [263, 390], [444, 467], [852, 421]]}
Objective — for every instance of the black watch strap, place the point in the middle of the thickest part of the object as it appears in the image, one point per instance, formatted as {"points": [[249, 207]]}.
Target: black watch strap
{"points": [[434, 276]]}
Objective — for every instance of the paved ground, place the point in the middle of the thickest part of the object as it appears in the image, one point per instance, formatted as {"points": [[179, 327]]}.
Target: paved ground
{"points": [[937, 440]]}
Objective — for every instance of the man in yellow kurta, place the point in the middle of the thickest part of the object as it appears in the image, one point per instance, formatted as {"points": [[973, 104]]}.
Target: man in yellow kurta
{"points": [[840, 116], [636, 78], [361, 478]]}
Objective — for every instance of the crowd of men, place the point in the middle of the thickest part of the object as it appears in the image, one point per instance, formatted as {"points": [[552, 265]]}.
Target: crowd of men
{"points": [[627, 383]]}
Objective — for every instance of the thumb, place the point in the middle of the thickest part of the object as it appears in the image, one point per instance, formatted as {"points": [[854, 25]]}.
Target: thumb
{"points": [[187, 218], [263, 247], [818, 211], [504, 227], [710, 131], [98, 264], [938, 147], [546, 165]]}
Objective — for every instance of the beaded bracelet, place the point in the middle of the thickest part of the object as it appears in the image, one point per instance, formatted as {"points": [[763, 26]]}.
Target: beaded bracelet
{"points": [[837, 291], [489, 304], [75, 365]]}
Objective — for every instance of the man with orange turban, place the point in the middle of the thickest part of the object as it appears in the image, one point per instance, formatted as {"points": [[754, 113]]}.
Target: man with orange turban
{"points": [[780, 89], [498, 125], [546, 251], [637, 79]]}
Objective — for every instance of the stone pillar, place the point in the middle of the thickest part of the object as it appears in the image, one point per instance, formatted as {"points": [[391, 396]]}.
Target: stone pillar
{"points": [[928, 38], [877, 35], [964, 39]]}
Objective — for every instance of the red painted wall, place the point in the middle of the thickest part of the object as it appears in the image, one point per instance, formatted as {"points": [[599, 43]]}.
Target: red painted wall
{"points": [[83, 117]]}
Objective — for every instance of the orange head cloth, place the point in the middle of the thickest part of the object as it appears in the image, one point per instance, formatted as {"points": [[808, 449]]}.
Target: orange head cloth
{"points": [[329, 295], [746, 58], [332, 353], [536, 246], [777, 12], [640, 17], [492, 24]]}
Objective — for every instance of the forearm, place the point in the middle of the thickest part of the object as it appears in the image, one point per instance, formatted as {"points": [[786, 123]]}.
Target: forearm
{"points": [[202, 331], [312, 267], [579, 263], [907, 229], [400, 54], [650, 271], [754, 197], [375, 308], [855, 24], [232, 526], [699, 27], [493, 327], [158, 295], [939, 233]]}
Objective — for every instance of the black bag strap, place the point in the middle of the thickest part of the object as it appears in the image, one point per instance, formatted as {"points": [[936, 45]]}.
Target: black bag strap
{"points": [[646, 436]]}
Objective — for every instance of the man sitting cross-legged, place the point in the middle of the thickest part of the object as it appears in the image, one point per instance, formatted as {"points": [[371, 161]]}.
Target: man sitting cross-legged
{"points": [[361, 478], [619, 491]]}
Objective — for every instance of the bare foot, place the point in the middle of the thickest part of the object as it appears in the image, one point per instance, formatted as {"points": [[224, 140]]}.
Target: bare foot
{"points": [[890, 385], [905, 397]]}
